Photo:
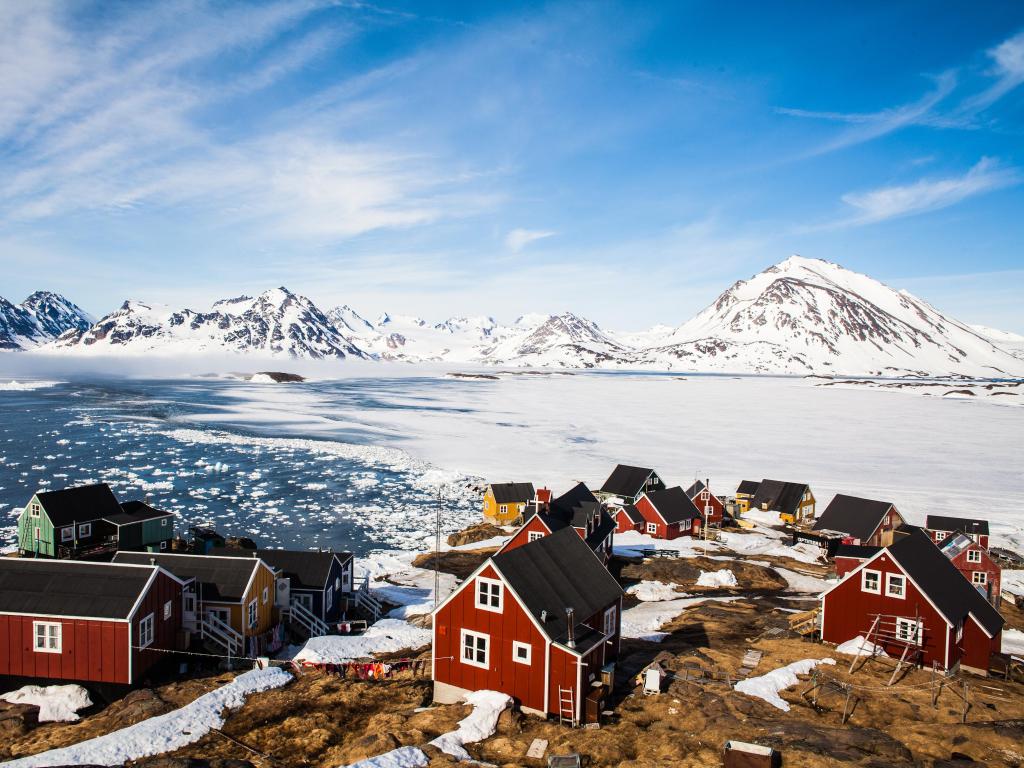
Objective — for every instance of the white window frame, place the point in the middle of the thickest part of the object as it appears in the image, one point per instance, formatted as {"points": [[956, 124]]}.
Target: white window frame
{"points": [[168, 610], [682, 525], [979, 578], [476, 637], [864, 581], [903, 630], [146, 631], [488, 604], [652, 527], [253, 614], [163, 521], [163, 545], [940, 535], [328, 598], [84, 530], [610, 620], [889, 578], [534, 536], [503, 509], [67, 533], [517, 647], [266, 595], [34, 510], [973, 556], [52, 636]]}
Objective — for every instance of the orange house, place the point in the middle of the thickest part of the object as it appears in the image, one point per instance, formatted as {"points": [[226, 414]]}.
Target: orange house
{"points": [[505, 503]]}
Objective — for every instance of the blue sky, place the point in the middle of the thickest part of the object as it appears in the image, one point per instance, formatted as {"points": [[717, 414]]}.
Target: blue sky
{"points": [[624, 161]]}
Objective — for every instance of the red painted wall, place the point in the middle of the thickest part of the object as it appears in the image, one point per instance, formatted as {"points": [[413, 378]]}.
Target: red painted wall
{"points": [[846, 564], [165, 631], [717, 508], [623, 523], [849, 612], [521, 536], [977, 647], [91, 650], [524, 683], [651, 516], [987, 564]]}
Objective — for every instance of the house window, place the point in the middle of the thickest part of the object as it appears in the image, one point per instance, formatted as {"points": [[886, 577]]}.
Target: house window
{"points": [[534, 535], [488, 594], [168, 610], [34, 510], [979, 577], [85, 530], [973, 556], [337, 583], [503, 509], [610, 616], [895, 585], [871, 581], [47, 636], [163, 545], [940, 535], [67, 534], [328, 598], [908, 630], [146, 631], [682, 526], [476, 649], [252, 614], [652, 527], [521, 652], [704, 495], [266, 595]]}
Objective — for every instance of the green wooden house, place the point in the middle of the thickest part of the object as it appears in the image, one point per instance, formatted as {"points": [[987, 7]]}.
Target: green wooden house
{"points": [[89, 521]]}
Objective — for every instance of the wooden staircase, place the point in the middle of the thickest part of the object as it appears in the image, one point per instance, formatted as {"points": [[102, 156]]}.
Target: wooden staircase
{"points": [[366, 601], [301, 617], [221, 635]]}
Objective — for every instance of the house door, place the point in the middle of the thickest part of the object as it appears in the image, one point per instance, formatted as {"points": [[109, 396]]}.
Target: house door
{"points": [[188, 610], [346, 580], [221, 613], [303, 599]]}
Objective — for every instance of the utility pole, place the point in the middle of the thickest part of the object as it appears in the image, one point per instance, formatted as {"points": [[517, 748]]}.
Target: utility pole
{"points": [[437, 549]]}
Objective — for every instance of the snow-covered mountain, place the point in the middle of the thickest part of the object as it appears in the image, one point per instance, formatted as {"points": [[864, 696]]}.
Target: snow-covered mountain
{"points": [[801, 316], [38, 319], [812, 316], [277, 322]]}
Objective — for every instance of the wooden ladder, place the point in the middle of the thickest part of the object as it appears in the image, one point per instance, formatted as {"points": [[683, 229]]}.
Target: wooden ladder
{"points": [[566, 706]]}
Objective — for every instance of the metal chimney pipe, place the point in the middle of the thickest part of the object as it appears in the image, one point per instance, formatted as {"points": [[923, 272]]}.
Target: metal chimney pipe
{"points": [[570, 621]]}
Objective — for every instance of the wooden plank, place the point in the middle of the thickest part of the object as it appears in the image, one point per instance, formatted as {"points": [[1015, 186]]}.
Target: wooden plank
{"points": [[537, 749]]}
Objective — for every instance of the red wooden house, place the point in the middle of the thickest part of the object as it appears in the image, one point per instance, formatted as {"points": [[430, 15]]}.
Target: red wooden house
{"points": [[864, 521], [850, 556], [976, 564], [909, 599], [711, 507], [539, 622], [577, 509], [941, 528], [627, 483], [86, 622], [669, 514], [627, 518]]}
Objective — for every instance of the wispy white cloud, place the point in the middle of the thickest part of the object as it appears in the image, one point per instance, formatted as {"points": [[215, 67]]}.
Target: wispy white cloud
{"points": [[926, 194], [517, 239], [1008, 69], [114, 118]]}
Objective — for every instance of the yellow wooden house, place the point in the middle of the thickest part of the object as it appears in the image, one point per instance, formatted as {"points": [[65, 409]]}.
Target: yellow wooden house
{"points": [[794, 502], [505, 503]]}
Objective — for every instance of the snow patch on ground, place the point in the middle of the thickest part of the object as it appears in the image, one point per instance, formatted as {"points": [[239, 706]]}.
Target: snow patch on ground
{"points": [[767, 686], [800, 582], [403, 757], [723, 578], [57, 703], [386, 636], [654, 591], [644, 621], [861, 646], [163, 733]]}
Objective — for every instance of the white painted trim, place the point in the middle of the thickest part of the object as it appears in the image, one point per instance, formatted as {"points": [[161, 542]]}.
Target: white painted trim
{"points": [[888, 579], [463, 585], [516, 646], [145, 591], [981, 626], [150, 617], [489, 583], [252, 576], [60, 636], [463, 633], [60, 617], [863, 581]]}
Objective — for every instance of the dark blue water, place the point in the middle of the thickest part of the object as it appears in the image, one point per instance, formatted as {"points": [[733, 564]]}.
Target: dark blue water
{"points": [[272, 483]]}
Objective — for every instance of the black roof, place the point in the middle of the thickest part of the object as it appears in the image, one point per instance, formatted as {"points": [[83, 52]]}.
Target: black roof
{"points": [[748, 487], [855, 516], [136, 512], [557, 572], [780, 496], [856, 550], [963, 524], [70, 587], [219, 579], [945, 586], [673, 505], [632, 513], [626, 481], [568, 501], [305, 568], [512, 493], [79, 504], [694, 490]]}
